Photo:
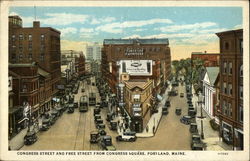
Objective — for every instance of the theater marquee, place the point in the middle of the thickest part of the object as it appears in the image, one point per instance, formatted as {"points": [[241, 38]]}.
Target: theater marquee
{"points": [[136, 67]]}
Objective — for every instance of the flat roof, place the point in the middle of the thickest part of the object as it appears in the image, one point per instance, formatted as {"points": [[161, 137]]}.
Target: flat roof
{"points": [[136, 40]]}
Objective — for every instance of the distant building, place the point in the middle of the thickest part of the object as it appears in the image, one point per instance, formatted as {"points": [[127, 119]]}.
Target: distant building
{"points": [[209, 90], [210, 59], [231, 88], [93, 52], [68, 55]]}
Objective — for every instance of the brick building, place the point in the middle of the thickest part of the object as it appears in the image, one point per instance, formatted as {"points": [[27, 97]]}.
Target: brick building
{"points": [[36, 44], [231, 87], [151, 56], [210, 59], [147, 64]]}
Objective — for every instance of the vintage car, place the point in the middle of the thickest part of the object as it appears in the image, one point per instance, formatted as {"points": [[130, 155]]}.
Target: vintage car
{"points": [[45, 124], [193, 128], [97, 117], [164, 110], [127, 136], [94, 135], [75, 104], [71, 108], [178, 111], [100, 126], [113, 125], [106, 143], [181, 94], [102, 132], [186, 119], [197, 143], [97, 111], [30, 138]]}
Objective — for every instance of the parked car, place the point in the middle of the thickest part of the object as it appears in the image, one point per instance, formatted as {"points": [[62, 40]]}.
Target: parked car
{"points": [[100, 126], [186, 119], [127, 136], [53, 119], [193, 128], [167, 103], [45, 124], [96, 111], [181, 94], [30, 138], [75, 104], [71, 108], [102, 132], [94, 135], [191, 113], [99, 121], [113, 125], [196, 143], [97, 117], [164, 110], [178, 111], [106, 143], [109, 116]]}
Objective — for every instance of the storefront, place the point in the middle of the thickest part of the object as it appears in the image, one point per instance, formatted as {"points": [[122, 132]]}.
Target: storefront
{"points": [[227, 133], [239, 140], [15, 117]]}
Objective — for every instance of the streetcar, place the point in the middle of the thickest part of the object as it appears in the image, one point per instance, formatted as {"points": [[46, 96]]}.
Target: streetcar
{"points": [[83, 104], [92, 99]]}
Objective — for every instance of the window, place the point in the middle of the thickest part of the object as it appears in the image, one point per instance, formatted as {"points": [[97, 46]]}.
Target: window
{"points": [[13, 56], [30, 56], [30, 46], [226, 45], [230, 68], [21, 57], [224, 108], [24, 88], [42, 37], [241, 92], [21, 37], [42, 57], [225, 67], [30, 37], [241, 114], [148, 67], [21, 47], [230, 89], [230, 113], [241, 46], [225, 87], [241, 71], [13, 37], [43, 47], [123, 67]]}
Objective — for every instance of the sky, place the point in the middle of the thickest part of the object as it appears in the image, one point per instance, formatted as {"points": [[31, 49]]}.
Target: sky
{"points": [[189, 29]]}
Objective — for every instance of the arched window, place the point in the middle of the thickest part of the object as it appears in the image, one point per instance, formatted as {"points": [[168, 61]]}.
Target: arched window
{"points": [[241, 70]]}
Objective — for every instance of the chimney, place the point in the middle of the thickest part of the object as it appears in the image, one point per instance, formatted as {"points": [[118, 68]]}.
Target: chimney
{"points": [[36, 24]]}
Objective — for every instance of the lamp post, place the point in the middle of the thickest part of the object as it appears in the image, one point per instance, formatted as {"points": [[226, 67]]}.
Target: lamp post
{"points": [[200, 101]]}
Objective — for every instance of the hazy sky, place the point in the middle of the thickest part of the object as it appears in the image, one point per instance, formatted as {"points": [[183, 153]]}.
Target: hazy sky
{"points": [[187, 28]]}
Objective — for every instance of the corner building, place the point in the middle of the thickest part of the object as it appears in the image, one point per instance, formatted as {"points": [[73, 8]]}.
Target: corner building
{"points": [[143, 66], [231, 108]]}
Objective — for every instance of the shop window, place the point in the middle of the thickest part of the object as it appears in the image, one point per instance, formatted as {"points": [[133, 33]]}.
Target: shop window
{"points": [[241, 71]]}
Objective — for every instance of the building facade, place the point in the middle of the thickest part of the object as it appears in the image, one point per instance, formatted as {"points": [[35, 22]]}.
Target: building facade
{"points": [[209, 90], [231, 87], [36, 44], [140, 58], [210, 59], [93, 52]]}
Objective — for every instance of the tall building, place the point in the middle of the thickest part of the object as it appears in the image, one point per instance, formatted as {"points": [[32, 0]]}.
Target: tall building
{"points": [[140, 58], [231, 108], [93, 52], [144, 67], [36, 44]]}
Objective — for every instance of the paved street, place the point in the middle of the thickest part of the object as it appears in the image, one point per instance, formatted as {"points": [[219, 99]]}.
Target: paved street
{"points": [[72, 131]]}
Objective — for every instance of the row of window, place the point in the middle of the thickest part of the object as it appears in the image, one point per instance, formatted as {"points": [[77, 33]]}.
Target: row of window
{"points": [[42, 47], [227, 68], [228, 89], [21, 37], [29, 56], [227, 45], [227, 110]]}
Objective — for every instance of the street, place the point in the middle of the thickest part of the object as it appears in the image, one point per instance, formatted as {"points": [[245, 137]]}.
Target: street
{"points": [[72, 131]]}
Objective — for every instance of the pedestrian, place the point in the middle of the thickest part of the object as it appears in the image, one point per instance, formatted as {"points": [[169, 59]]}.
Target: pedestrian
{"points": [[153, 129], [147, 129]]}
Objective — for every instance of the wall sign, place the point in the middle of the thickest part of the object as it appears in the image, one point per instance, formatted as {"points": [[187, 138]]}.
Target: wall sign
{"points": [[133, 51], [136, 67]]}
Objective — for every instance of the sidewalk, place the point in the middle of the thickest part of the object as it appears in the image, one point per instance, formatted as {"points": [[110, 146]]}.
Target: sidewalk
{"points": [[211, 137], [155, 118]]}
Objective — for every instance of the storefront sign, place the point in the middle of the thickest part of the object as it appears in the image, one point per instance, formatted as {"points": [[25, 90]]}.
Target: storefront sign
{"points": [[133, 51], [136, 67]]}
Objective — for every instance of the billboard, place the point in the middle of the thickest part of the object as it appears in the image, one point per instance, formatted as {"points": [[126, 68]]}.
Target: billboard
{"points": [[136, 67]]}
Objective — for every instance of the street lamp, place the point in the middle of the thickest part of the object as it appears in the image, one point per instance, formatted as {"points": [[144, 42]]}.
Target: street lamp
{"points": [[201, 101]]}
